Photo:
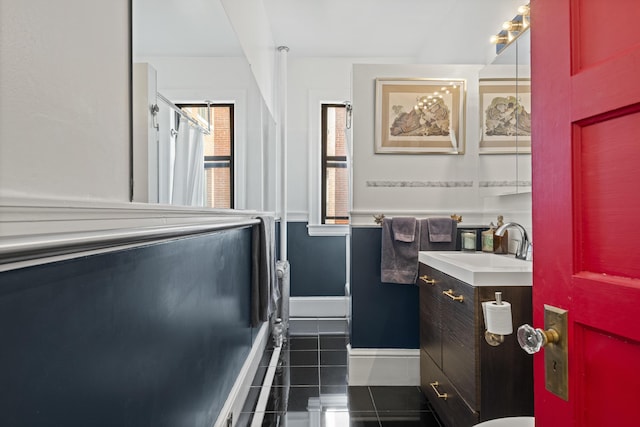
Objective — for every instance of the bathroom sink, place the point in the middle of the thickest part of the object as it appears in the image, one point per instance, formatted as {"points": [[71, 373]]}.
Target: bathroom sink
{"points": [[481, 268]]}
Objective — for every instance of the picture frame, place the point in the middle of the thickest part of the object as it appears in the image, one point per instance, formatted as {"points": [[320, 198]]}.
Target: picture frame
{"points": [[505, 116], [420, 116]]}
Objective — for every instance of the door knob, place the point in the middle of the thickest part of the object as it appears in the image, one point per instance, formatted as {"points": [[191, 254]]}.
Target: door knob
{"points": [[556, 355], [533, 339]]}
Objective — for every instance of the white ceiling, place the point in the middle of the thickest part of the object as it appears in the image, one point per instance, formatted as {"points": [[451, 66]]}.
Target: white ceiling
{"points": [[182, 28], [430, 31]]}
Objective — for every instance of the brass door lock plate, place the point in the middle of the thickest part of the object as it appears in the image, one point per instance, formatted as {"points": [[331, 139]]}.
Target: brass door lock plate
{"points": [[556, 369]]}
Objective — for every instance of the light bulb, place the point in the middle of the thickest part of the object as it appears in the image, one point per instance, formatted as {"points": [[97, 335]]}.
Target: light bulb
{"points": [[499, 39]]}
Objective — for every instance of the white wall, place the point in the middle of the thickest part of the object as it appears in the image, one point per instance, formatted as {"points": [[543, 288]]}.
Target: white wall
{"points": [[64, 115], [313, 81], [65, 119], [249, 20], [189, 79], [446, 170], [145, 155], [64, 109]]}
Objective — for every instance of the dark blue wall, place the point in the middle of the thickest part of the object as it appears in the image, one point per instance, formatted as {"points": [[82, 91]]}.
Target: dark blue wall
{"points": [[318, 263], [383, 315], [151, 336]]}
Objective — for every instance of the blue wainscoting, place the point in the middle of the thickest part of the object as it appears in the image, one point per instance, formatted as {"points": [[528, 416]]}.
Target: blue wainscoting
{"points": [[318, 263], [150, 336], [383, 315]]}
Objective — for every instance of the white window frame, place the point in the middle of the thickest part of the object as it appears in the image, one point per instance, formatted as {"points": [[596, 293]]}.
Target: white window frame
{"points": [[240, 106], [316, 99]]}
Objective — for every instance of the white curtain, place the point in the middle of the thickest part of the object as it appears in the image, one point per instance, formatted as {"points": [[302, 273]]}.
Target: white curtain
{"points": [[188, 168]]}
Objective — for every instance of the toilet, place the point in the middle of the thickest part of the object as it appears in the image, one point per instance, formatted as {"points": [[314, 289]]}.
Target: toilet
{"points": [[509, 422]]}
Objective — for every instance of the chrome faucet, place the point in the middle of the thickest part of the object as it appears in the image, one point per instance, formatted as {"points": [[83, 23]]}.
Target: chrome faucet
{"points": [[525, 247]]}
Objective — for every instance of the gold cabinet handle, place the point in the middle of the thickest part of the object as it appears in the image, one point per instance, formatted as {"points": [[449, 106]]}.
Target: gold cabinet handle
{"points": [[434, 386], [450, 294], [426, 280]]}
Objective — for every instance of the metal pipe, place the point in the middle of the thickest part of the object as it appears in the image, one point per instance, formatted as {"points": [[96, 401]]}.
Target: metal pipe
{"points": [[206, 131], [282, 107], [22, 248]]}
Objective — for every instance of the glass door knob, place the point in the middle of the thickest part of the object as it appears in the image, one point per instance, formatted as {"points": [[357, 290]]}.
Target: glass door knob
{"points": [[533, 339]]}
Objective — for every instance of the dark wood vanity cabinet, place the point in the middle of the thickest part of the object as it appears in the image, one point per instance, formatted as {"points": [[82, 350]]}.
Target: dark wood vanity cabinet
{"points": [[466, 379]]}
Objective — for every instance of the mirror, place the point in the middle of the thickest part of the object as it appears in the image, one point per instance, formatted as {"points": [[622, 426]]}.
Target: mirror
{"points": [[187, 53], [505, 116]]}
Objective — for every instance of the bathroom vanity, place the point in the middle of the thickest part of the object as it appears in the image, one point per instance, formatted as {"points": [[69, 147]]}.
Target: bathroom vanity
{"points": [[466, 379]]}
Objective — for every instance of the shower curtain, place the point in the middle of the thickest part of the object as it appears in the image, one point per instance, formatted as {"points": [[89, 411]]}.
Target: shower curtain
{"points": [[188, 167], [181, 175]]}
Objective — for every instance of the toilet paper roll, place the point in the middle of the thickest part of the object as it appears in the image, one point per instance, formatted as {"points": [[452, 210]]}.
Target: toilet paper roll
{"points": [[497, 317]]}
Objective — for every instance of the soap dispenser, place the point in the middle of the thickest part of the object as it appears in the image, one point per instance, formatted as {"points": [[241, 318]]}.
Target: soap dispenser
{"points": [[501, 243], [487, 238]]}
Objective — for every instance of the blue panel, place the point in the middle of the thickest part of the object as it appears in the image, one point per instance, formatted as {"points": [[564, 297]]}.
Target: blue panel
{"points": [[318, 263], [152, 336], [383, 315]]}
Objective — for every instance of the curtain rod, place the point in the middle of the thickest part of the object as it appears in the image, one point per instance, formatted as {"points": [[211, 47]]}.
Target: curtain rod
{"points": [[206, 131]]}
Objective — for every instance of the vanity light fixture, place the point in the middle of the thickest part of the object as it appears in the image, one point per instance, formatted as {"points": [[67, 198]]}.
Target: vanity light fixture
{"points": [[512, 29], [513, 26], [500, 38]]}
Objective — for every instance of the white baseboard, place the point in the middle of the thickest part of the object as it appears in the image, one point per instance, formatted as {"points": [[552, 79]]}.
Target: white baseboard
{"points": [[240, 390], [318, 306], [384, 366]]}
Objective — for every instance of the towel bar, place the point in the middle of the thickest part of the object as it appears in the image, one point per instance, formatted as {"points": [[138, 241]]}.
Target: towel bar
{"points": [[380, 217]]}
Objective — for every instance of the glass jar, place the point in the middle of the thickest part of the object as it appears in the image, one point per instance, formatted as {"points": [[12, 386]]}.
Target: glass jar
{"points": [[468, 240], [487, 239]]}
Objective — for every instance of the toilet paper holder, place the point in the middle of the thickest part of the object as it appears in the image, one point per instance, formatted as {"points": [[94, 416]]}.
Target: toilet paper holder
{"points": [[494, 339]]}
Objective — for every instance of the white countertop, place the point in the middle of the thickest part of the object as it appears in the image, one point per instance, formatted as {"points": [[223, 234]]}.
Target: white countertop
{"points": [[480, 268]]}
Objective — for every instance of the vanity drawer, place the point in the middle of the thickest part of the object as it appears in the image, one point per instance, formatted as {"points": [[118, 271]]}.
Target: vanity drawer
{"points": [[453, 411], [430, 327], [460, 340], [451, 338]]}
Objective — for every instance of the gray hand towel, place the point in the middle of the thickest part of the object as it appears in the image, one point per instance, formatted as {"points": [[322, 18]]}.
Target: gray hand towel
{"points": [[440, 229], [264, 283], [404, 229], [427, 245], [399, 260]]}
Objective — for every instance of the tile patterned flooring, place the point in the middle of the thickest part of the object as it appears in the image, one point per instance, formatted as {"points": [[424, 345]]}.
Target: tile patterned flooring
{"points": [[310, 387]]}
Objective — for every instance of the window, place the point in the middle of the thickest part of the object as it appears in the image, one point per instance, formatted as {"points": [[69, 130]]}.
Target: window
{"points": [[335, 174], [218, 153]]}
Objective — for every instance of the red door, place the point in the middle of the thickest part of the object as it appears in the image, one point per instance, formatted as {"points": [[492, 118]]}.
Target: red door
{"points": [[586, 204]]}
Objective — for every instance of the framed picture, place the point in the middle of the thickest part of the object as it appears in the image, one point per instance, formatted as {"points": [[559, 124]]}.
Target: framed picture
{"points": [[419, 116], [505, 116]]}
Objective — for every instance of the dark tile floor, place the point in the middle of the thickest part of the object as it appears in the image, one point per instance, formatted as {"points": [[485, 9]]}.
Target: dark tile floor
{"points": [[310, 387]]}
